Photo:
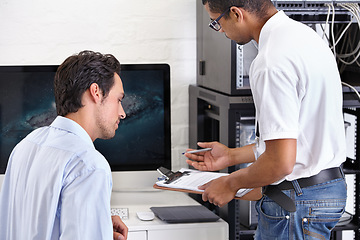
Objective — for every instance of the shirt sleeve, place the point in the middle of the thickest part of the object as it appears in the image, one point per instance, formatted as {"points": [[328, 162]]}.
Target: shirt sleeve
{"points": [[277, 97], [85, 206]]}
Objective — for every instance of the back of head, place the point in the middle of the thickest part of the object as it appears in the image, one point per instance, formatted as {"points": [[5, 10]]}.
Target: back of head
{"points": [[257, 7], [75, 75]]}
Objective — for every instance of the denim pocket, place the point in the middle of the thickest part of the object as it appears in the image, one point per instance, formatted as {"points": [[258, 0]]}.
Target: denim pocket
{"points": [[322, 219], [327, 212], [273, 219]]}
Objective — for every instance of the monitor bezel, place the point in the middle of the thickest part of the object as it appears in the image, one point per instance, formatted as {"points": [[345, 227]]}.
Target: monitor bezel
{"points": [[124, 67], [167, 119]]}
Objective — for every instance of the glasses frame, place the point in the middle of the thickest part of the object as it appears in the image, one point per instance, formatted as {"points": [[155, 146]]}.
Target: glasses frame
{"points": [[214, 24]]}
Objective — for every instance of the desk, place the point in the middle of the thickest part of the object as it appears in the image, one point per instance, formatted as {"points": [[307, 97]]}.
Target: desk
{"points": [[159, 230]]}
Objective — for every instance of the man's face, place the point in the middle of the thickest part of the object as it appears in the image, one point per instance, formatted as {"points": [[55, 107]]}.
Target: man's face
{"points": [[231, 27], [110, 110]]}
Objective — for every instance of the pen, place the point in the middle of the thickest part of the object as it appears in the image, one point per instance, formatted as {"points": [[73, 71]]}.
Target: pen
{"points": [[199, 150]]}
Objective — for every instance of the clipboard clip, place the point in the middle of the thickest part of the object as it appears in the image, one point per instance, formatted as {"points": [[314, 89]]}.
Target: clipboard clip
{"points": [[169, 175]]}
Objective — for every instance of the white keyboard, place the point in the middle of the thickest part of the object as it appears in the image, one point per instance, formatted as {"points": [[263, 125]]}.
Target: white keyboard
{"points": [[123, 213]]}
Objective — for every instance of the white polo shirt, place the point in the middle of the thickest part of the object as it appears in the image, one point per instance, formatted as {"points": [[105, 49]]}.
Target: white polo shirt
{"points": [[298, 95]]}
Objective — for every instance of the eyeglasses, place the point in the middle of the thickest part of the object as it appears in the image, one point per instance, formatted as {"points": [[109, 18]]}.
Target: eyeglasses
{"points": [[214, 24]]}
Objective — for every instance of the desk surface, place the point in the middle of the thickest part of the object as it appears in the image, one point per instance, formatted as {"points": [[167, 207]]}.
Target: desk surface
{"points": [[143, 200]]}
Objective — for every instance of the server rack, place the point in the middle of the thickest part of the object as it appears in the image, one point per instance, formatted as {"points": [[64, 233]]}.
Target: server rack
{"points": [[222, 96], [219, 117], [215, 116]]}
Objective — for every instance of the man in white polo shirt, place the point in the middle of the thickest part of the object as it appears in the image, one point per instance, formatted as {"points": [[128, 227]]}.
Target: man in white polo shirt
{"points": [[301, 138]]}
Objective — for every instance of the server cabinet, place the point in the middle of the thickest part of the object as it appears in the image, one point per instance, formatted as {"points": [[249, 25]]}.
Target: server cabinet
{"points": [[230, 120], [223, 65], [221, 105]]}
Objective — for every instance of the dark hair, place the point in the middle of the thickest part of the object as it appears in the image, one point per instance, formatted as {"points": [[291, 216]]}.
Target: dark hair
{"points": [[259, 7], [75, 75]]}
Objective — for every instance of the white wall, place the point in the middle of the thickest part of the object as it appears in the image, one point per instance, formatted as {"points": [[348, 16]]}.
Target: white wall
{"points": [[143, 31]]}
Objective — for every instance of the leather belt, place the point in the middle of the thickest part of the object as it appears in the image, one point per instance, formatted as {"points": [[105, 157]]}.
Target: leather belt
{"points": [[274, 191]]}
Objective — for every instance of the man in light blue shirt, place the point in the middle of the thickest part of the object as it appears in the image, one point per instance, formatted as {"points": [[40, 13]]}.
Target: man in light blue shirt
{"points": [[57, 185]]}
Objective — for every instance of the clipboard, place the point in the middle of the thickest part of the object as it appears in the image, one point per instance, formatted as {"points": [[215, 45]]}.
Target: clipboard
{"points": [[182, 190], [252, 195], [188, 180]]}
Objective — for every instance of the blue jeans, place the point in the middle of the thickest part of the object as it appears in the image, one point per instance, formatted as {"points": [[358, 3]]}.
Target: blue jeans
{"points": [[318, 209]]}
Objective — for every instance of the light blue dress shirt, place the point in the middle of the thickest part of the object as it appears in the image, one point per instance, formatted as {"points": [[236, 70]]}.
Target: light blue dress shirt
{"points": [[56, 186]]}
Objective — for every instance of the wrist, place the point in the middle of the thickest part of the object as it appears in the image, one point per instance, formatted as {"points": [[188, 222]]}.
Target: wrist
{"points": [[231, 156], [233, 182]]}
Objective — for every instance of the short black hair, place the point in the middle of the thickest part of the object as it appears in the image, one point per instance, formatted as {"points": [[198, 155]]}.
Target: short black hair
{"points": [[76, 74], [259, 7]]}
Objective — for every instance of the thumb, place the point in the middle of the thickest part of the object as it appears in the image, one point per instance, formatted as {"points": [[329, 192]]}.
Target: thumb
{"points": [[204, 144], [203, 187]]}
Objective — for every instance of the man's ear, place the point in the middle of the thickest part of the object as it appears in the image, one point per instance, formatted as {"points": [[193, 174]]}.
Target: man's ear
{"points": [[95, 92], [237, 13]]}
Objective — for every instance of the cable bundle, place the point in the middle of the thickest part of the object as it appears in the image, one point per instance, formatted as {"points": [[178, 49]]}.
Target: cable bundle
{"points": [[354, 9], [350, 44]]}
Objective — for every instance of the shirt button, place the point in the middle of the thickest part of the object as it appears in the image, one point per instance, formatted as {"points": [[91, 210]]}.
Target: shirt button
{"points": [[305, 220], [287, 217]]}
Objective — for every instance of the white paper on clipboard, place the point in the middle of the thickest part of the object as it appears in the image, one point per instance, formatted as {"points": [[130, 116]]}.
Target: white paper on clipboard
{"points": [[194, 178]]}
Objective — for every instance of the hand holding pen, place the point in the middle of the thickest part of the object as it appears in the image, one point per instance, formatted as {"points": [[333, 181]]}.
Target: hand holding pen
{"points": [[198, 151], [212, 157]]}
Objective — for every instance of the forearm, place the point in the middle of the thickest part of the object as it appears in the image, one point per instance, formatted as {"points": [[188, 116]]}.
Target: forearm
{"points": [[242, 155], [256, 175], [274, 164]]}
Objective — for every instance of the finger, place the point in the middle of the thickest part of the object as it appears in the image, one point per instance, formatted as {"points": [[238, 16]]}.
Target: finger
{"points": [[120, 227], [193, 163], [210, 199], [204, 197], [118, 236], [205, 194], [199, 157], [123, 230], [198, 165], [204, 186]]}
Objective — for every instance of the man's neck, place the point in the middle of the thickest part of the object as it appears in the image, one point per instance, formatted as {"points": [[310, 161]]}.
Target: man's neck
{"points": [[82, 120]]}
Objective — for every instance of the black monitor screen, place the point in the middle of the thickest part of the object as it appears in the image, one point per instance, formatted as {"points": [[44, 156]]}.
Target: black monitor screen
{"points": [[142, 141]]}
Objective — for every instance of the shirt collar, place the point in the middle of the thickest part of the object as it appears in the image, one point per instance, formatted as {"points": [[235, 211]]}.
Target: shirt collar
{"points": [[269, 25], [71, 126]]}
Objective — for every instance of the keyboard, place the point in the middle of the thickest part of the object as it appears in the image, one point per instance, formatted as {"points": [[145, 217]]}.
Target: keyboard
{"points": [[123, 213]]}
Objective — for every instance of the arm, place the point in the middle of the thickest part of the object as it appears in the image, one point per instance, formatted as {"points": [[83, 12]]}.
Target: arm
{"points": [[275, 163], [220, 156], [85, 208]]}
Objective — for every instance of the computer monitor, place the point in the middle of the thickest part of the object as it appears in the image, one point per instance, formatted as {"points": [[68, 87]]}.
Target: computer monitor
{"points": [[142, 142]]}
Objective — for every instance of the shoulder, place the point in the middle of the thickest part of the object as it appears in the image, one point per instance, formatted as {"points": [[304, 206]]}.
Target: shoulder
{"points": [[68, 147]]}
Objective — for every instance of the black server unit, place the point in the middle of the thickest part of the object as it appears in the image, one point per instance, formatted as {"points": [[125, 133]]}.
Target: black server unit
{"points": [[230, 120], [223, 65]]}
